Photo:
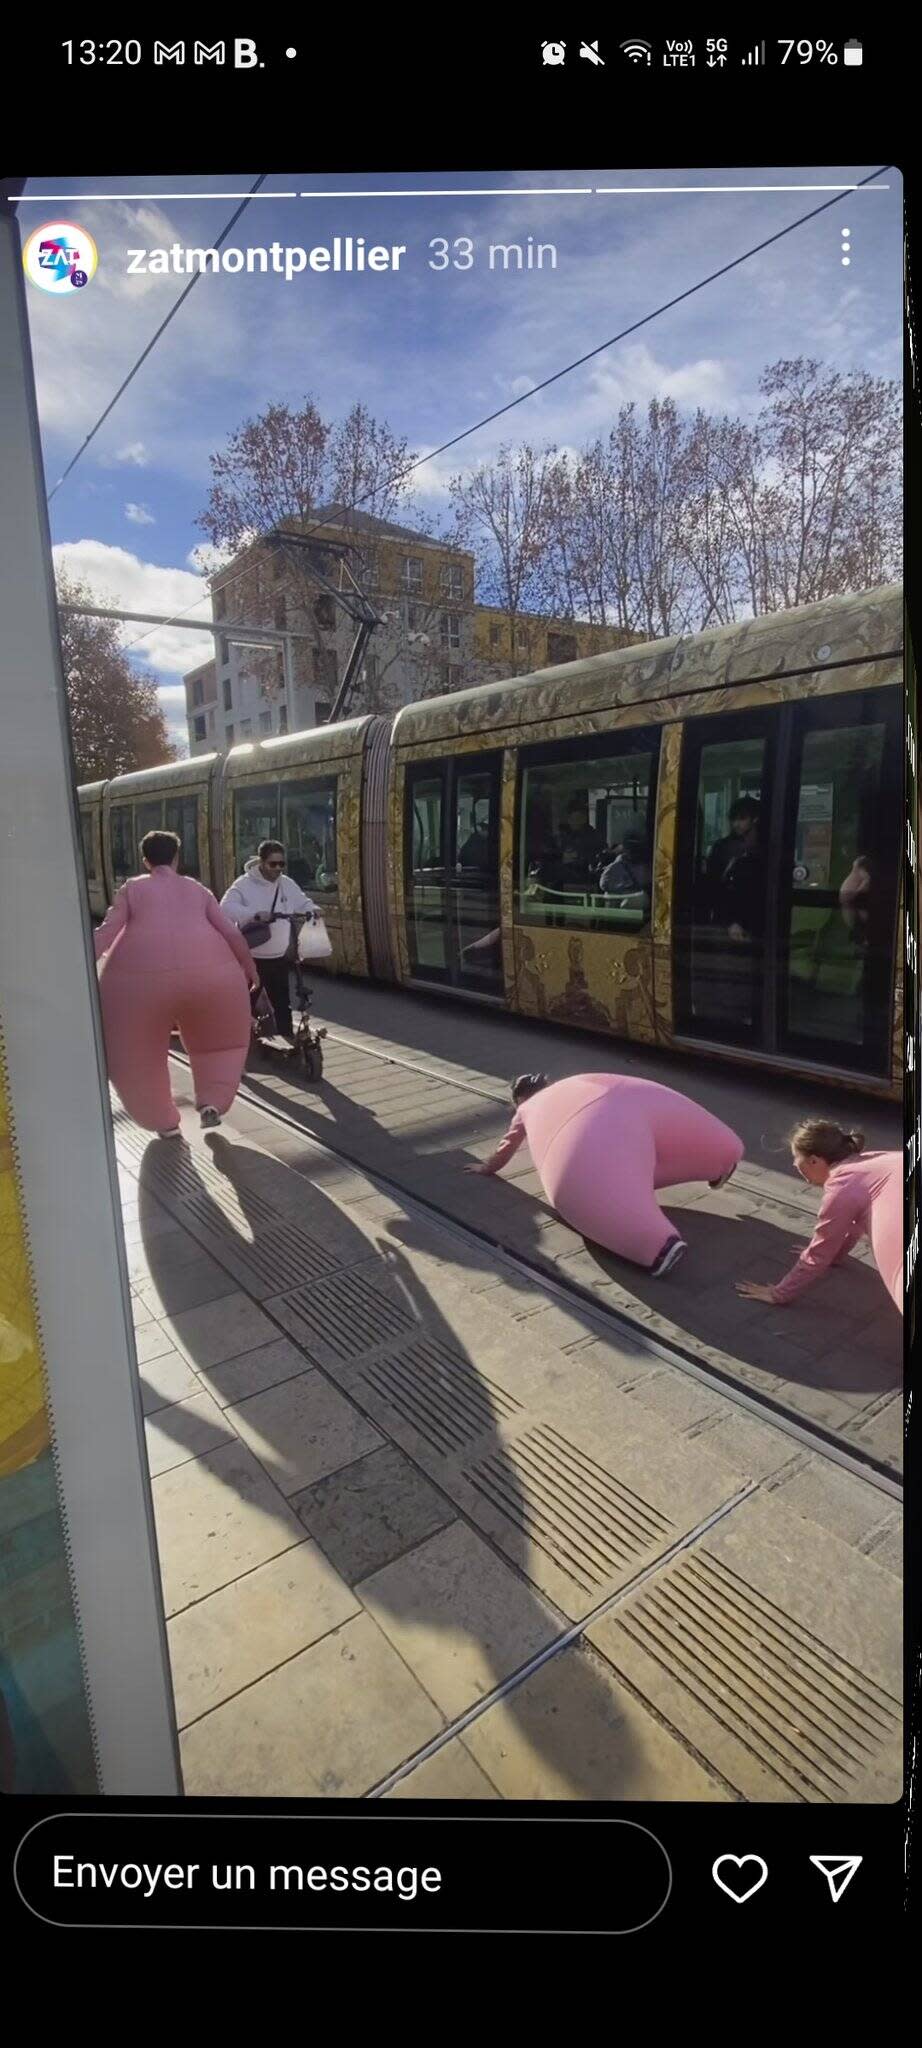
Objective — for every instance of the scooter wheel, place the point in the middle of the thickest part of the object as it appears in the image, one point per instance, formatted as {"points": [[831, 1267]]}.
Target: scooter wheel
{"points": [[313, 1062]]}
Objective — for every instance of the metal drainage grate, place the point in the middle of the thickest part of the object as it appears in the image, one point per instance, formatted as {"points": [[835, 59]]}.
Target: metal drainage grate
{"points": [[442, 1394], [569, 1507], [812, 1719]]}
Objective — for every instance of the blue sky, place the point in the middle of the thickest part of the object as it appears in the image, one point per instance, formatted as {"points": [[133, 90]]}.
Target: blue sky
{"points": [[431, 352]]}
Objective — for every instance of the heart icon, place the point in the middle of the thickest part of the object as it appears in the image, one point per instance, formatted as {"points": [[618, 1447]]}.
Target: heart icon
{"points": [[733, 1888]]}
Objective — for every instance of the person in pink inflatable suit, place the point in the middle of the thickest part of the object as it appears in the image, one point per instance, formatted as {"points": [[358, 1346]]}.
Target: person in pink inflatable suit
{"points": [[172, 958], [862, 1197], [602, 1143]]}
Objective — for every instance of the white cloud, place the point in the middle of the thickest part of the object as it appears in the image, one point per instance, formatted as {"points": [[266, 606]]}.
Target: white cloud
{"points": [[139, 515], [172, 694], [120, 579], [206, 559], [134, 452]]}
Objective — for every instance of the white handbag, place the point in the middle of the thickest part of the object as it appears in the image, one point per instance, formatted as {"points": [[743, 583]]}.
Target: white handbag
{"points": [[314, 942]]}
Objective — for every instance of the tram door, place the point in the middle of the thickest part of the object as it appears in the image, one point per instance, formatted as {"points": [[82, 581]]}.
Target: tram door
{"points": [[452, 872], [787, 880]]}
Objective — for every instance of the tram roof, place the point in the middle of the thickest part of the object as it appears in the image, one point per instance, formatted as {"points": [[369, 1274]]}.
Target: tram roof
{"points": [[865, 627]]}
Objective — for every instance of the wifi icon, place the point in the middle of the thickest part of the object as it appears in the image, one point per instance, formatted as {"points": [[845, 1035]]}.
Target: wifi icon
{"points": [[638, 51]]}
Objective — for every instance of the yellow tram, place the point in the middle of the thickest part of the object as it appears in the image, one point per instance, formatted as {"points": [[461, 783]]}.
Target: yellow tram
{"points": [[564, 844]]}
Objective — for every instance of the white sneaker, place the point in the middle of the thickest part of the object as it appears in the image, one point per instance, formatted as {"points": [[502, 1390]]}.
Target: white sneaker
{"points": [[209, 1118], [175, 1132], [674, 1251]]}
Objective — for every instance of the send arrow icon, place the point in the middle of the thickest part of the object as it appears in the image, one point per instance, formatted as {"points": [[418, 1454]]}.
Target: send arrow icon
{"points": [[838, 1872]]}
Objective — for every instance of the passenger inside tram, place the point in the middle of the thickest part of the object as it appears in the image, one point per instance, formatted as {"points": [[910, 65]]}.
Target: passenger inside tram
{"points": [[630, 873], [581, 846], [736, 874], [474, 853]]}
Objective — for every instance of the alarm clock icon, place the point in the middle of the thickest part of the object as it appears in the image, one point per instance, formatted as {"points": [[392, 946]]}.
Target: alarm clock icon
{"points": [[554, 53]]}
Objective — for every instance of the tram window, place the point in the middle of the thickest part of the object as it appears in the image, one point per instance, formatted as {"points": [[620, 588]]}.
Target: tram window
{"points": [[309, 833], [725, 893], [256, 817], [121, 843], [425, 796], [148, 817], [477, 824], [842, 892], [181, 817], [88, 835], [585, 858]]}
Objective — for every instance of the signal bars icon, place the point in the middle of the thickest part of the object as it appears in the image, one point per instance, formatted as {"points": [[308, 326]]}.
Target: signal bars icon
{"points": [[756, 55]]}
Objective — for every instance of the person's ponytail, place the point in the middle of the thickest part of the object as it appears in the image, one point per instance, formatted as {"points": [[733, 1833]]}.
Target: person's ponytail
{"points": [[816, 1138]]}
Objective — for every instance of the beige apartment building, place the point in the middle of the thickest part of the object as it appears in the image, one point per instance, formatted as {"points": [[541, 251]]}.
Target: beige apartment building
{"points": [[432, 637]]}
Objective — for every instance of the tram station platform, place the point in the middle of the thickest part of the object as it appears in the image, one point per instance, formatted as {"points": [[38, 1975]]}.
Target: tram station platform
{"points": [[427, 1532], [416, 1088]]}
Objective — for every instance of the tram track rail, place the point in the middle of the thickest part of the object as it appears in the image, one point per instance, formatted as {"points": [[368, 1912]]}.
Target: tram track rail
{"points": [[601, 1320]]}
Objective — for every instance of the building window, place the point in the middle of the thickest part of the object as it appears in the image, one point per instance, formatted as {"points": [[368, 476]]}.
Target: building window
{"points": [[223, 651], [246, 728], [280, 614], [367, 572], [228, 694], [283, 718], [325, 613], [230, 735], [561, 647], [219, 603], [446, 676], [585, 833], [198, 727], [414, 618], [451, 578], [451, 629], [265, 721], [412, 572], [198, 691], [496, 636], [322, 713]]}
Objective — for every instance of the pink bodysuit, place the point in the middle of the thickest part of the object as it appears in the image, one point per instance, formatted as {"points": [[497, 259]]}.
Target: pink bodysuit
{"points": [[863, 1197], [173, 959], [601, 1143]]}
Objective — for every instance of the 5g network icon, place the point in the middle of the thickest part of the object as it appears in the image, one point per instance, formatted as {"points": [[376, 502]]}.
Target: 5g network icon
{"points": [[60, 257]]}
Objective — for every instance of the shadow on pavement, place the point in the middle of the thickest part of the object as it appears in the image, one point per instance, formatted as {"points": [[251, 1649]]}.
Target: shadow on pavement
{"points": [[446, 1598]]}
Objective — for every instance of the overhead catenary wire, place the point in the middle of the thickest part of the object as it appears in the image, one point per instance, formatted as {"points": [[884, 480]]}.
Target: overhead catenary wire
{"points": [[164, 324], [511, 404]]}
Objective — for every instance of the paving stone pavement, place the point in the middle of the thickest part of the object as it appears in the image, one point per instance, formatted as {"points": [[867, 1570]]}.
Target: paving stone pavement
{"points": [[396, 1100], [424, 1533]]}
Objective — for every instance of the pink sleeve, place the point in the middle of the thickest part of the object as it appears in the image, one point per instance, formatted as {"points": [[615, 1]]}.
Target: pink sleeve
{"points": [[231, 933], [115, 920], [834, 1234], [508, 1146]]}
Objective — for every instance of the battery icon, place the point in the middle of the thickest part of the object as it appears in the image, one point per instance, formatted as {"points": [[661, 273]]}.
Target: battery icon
{"points": [[854, 53]]}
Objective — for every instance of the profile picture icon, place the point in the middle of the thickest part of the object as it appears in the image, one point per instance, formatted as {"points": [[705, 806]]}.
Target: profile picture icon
{"points": [[60, 257]]}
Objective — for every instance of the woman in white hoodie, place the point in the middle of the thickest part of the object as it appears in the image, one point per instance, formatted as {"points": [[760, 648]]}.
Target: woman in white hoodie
{"points": [[264, 894]]}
